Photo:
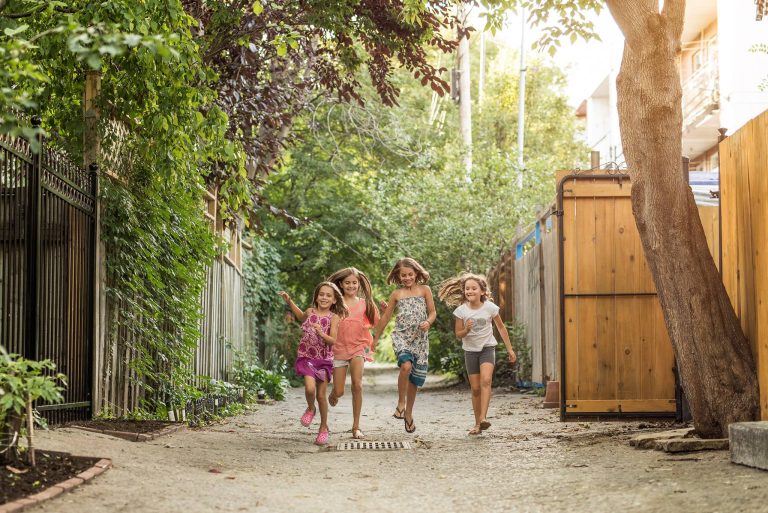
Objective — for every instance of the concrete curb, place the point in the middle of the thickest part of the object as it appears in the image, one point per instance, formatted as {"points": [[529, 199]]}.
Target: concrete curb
{"points": [[52, 491], [133, 437]]}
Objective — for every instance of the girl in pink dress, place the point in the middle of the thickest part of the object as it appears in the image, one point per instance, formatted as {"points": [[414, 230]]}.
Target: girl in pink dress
{"points": [[314, 360], [354, 343]]}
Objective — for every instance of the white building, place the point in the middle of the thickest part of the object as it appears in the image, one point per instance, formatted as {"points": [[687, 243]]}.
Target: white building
{"points": [[720, 74]]}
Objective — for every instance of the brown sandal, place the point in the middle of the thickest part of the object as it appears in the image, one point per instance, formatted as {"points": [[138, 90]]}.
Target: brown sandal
{"points": [[399, 414], [410, 427], [475, 430], [484, 424]]}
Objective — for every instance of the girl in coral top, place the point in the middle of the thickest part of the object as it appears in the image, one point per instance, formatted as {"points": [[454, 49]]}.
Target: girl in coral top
{"points": [[354, 343]]}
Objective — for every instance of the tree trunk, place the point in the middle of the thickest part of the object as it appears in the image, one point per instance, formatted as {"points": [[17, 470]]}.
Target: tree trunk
{"points": [[713, 356]]}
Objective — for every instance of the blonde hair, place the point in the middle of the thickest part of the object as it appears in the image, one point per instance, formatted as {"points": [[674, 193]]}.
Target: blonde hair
{"points": [[452, 290], [339, 308], [365, 285], [422, 276]]}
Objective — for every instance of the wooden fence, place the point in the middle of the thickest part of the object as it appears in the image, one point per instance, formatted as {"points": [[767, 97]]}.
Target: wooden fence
{"points": [[744, 204], [524, 282], [602, 334], [221, 333]]}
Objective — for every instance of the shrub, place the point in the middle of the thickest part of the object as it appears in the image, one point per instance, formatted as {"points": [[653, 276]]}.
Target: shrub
{"points": [[22, 382], [248, 373]]}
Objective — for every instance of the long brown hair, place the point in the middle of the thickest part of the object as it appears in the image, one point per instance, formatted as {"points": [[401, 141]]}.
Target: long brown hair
{"points": [[339, 308], [452, 290], [365, 286], [422, 276]]}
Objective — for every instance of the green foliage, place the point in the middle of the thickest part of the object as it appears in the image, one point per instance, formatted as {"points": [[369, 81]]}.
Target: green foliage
{"points": [[560, 20], [250, 375], [761, 48], [158, 246], [22, 382], [261, 273], [522, 348], [372, 184]]}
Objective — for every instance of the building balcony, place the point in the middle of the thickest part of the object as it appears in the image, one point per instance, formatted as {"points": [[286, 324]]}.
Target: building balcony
{"points": [[701, 94], [701, 110]]}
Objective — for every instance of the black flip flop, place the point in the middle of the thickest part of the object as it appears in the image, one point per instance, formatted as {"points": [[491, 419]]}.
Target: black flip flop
{"points": [[410, 427]]}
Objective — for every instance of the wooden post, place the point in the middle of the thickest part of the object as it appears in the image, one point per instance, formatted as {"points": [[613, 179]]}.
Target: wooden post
{"points": [[91, 154], [720, 138], [594, 159]]}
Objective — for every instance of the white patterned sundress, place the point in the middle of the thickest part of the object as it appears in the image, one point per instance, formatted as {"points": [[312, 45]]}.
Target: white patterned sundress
{"points": [[409, 342]]}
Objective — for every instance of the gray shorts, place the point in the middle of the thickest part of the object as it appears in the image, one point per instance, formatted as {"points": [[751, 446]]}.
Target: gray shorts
{"points": [[344, 363], [474, 359]]}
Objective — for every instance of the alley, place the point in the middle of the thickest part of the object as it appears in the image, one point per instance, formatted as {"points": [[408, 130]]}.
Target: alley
{"points": [[527, 461]]}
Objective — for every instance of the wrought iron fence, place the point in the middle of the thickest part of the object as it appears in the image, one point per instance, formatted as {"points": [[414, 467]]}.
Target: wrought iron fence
{"points": [[47, 254]]}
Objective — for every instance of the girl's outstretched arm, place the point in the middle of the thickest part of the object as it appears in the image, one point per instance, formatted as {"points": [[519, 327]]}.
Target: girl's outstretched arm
{"points": [[431, 312], [505, 337], [301, 316], [385, 317]]}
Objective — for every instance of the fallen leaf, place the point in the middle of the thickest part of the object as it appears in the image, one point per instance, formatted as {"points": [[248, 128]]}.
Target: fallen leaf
{"points": [[214, 471]]}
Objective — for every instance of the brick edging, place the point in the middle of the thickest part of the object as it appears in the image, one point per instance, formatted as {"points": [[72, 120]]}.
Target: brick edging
{"points": [[133, 437], [52, 491]]}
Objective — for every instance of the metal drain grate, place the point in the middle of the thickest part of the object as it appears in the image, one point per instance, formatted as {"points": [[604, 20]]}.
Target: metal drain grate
{"points": [[371, 446]]}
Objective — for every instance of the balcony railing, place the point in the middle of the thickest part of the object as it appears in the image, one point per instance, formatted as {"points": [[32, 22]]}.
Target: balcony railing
{"points": [[701, 94]]}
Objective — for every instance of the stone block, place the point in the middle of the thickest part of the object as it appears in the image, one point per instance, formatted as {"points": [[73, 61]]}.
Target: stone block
{"points": [[692, 444], [648, 440], [749, 443]]}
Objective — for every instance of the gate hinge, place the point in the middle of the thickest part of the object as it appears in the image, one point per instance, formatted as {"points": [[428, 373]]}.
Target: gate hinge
{"points": [[558, 213]]}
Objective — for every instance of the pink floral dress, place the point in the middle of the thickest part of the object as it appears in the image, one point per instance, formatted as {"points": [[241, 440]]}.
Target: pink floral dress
{"points": [[315, 357]]}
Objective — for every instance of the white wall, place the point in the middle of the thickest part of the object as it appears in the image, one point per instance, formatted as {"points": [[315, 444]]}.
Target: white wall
{"points": [[741, 71]]}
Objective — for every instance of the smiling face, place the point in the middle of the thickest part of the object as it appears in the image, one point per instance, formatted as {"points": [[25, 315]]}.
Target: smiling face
{"points": [[350, 285], [473, 292], [325, 297], [407, 276]]}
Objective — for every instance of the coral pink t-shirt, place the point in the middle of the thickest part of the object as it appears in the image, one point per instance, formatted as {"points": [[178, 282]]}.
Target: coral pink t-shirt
{"points": [[354, 336]]}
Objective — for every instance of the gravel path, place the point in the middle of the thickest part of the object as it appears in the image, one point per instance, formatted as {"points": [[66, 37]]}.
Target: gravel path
{"points": [[527, 461]]}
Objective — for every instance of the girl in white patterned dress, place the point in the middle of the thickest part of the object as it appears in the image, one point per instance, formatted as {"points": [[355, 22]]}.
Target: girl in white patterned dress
{"points": [[410, 339]]}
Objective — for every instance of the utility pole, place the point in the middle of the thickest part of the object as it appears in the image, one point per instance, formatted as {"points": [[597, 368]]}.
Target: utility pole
{"points": [[481, 77], [521, 104], [465, 99]]}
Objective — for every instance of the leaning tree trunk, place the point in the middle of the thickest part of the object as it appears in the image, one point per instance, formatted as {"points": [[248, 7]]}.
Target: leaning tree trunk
{"points": [[714, 359]]}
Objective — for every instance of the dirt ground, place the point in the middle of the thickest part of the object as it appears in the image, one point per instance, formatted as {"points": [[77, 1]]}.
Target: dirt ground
{"points": [[527, 461]]}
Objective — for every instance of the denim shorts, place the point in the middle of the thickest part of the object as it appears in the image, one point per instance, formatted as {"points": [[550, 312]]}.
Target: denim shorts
{"points": [[473, 359]]}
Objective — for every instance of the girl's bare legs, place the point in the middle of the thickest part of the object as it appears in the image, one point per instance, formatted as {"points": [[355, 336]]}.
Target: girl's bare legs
{"points": [[474, 385], [486, 379], [309, 392], [322, 403], [402, 384], [337, 389], [356, 373], [411, 399]]}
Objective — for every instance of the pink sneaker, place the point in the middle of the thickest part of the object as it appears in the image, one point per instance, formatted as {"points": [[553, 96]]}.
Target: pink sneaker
{"points": [[322, 438], [307, 418]]}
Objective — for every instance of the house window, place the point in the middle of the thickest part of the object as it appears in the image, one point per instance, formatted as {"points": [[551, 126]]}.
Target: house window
{"points": [[698, 60]]}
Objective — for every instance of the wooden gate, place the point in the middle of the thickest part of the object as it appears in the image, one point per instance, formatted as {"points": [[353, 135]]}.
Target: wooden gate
{"points": [[616, 356]]}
